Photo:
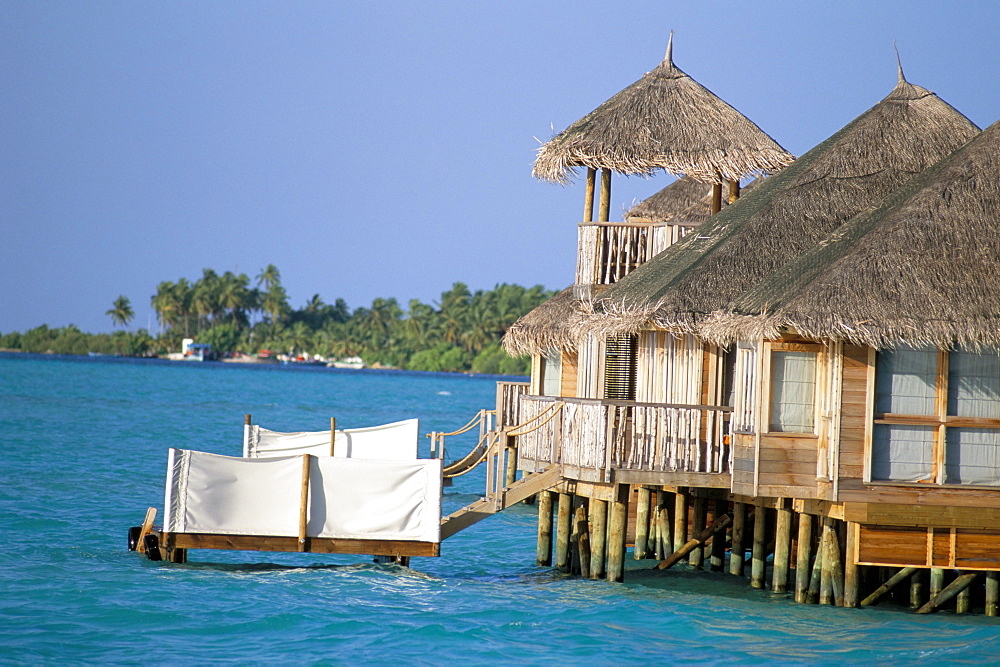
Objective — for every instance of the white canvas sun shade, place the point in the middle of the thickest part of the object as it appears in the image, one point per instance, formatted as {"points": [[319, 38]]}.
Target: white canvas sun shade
{"points": [[348, 498], [396, 441]]}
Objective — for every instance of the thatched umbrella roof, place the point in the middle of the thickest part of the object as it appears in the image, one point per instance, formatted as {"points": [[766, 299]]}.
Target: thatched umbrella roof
{"points": [[849, 173], [683, 202], [923, 269], [550, 325], [665, 120]]}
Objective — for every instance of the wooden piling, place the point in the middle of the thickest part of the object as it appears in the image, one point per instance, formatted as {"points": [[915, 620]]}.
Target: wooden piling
{"points": [[782, 548], [963, 600], [737, 552], [802, 553], [992, 592], [758, 553], [937, 581], [698, 521], [816, 576], [718, 561], [598, 537], [852, 571], [664, 524], [563, 520], [719, 525], [641, 523], [617, 525], [916, 589], [891, 583], [543, 550], [680, 518], [960, 583], [581, 559]]}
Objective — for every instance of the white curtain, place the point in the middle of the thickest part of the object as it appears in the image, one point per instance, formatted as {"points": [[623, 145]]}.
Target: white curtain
{"points": [[903, 453], [793, 391], [395, 441], [972, 455]]}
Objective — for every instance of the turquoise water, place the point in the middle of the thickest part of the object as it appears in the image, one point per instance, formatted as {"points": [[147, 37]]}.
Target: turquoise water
{"points": [[86, 445]]}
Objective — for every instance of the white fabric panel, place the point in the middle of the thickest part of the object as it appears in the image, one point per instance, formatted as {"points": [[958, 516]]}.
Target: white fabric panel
{"points": [[905, 381], [388, 500], [395, 441], [348, 498], [972, 456], [974, 384], [902, 453], [793, 391], [209, 493]]}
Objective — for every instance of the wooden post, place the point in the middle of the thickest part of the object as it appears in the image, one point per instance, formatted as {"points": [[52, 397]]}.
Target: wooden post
{"points": [[664, 540], [563, 521], [734, 191], [961, 582], [992, 592], [510, 475], [826, 574], [246, 420], [893, 581], [815, 577], [641, 523], [699, 540], [588, 197], [304, 502], [583, 538], [916, 589], [333, 435], [782, 548], [716, 197], [598, 537], [604, 211], [146, 529], [574, 539], [852, 571], [617, 524], [937, 581], [698, 520], [543, 551], [737, 552], [680, 518], [758, 553], [962, 601], [719, 539], [802, 554]]}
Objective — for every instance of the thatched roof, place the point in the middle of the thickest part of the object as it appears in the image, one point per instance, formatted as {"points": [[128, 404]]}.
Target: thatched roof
{"points": [[551, 325], [849, 173], [665, 120], [683, 202], [923, 269]]}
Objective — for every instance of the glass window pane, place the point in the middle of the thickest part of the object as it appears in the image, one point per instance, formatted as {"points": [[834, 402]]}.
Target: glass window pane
{"points": [[972, 456], [904, 381], [793, 391], [974, 384], [902, 453], [550, 373]]}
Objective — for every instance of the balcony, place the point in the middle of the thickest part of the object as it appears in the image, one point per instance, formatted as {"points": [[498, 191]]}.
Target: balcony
{"points": [[608, 251], [625, 441]]}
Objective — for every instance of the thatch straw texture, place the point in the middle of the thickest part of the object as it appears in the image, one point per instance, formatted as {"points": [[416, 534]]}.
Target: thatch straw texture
{"points": [[683, 202], [848, 174], [923, 269], [551, 325], [665, 120]]}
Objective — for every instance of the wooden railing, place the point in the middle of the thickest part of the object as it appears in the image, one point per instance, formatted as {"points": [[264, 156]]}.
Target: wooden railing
{"points": [[624, 435], [608, 251], [508, 403]]}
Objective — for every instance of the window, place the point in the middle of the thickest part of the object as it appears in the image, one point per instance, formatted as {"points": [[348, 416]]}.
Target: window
{"points": [[793, 391], [619, 368], [937, 416], [551, 376]]}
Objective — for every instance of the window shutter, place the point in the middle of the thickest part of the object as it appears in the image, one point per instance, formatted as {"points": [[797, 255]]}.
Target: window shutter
{"points": [[619, 368]]}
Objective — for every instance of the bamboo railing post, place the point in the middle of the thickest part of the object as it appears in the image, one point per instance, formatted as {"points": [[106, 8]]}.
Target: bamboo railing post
{"points": [[680, 518], [737, 552], [604, 209], [698, 520], [992, 592], [960, 583], [333, 434], [617, 525], [543, 550], [758, 554], [719, 539], [563, 512], [304, 503], [802, 549], [598, 537], [782, 548], [583, 538], [588, 196], [641, 523]]}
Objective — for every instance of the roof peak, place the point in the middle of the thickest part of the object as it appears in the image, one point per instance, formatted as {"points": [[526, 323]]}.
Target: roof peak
{"points": [[899, 64], [668, 59]]}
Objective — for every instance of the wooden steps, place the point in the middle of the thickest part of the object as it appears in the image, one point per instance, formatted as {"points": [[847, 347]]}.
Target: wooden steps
{"points": [[520, 490]]}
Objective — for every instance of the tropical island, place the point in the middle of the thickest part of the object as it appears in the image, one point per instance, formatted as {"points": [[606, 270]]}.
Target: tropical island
{"points": [[239, 317]]}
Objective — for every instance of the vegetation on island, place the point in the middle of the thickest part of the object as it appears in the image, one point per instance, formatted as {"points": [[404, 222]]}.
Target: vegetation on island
{"points": [[235, 315]]}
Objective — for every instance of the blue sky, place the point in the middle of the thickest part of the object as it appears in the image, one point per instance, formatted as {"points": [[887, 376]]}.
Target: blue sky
{"points": [[384, 149]]}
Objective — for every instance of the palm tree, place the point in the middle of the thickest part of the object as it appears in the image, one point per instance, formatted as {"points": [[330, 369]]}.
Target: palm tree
{"points": [[121, 311], [269, 277]]}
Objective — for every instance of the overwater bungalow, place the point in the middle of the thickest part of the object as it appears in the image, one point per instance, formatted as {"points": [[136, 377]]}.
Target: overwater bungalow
{"points": [[716, 413]]}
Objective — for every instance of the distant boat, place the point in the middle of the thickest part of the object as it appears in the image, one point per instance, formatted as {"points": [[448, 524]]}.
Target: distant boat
{"points": [[262, 357], [347, 362], [191, 351]]}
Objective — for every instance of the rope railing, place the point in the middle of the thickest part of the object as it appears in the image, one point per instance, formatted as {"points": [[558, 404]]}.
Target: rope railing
{"points": [[554, 409], [468, 427]]}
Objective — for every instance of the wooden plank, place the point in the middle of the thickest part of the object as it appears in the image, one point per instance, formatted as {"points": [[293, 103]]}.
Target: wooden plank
{"points": [[314, 544], [892, 514], [147, 528], [678, 478], [790, 455]]}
